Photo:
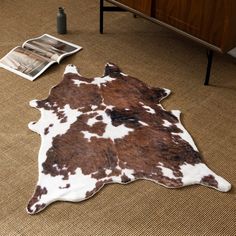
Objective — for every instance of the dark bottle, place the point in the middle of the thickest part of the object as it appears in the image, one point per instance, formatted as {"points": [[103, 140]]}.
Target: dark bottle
{"points": [[61, 21]]}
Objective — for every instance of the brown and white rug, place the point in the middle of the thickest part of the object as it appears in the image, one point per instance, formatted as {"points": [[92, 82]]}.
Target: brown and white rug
{"points": [[111, 129]]}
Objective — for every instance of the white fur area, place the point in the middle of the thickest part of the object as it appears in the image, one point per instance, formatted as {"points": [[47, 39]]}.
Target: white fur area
{"points": [[166, 123], [147, 108], [71, 69], [143, 123], [193, 174], [79, 185], [167, 172], [111, 132], [96, 81], [184, 135], [167, 91]]}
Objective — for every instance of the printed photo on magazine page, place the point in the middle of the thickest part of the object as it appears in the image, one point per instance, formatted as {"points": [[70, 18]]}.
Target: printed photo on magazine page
{"points": [[36, 55]]}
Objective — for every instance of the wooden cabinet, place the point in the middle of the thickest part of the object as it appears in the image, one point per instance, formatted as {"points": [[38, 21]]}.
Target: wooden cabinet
{"points": [[143, 6], [211, 21], [205, 19]]}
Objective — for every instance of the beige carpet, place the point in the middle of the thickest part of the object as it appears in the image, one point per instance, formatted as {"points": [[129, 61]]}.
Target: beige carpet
{"points": [[158, 57]]}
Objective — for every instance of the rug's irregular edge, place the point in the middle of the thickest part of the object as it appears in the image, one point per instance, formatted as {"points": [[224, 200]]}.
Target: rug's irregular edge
{"points": [[205, 175]]}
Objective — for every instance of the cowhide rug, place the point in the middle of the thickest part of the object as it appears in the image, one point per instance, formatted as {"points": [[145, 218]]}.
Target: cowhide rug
{"points": [[111, 129]]}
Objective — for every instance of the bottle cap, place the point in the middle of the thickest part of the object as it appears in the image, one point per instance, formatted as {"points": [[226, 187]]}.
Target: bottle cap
{"points": [[61, 9]]}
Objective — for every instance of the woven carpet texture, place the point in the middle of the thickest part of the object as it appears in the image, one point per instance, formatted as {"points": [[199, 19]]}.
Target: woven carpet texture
{"points": [[160, 58]]}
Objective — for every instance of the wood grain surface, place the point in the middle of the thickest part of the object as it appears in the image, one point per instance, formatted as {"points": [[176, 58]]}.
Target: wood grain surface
{"points": [[210, 20]]}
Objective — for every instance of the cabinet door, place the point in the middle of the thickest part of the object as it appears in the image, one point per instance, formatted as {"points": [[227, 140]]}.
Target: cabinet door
{"points": [[201, 18], [143, 6]]}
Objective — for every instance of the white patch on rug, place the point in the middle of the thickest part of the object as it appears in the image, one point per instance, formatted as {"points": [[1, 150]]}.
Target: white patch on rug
{"points": [[184, 135], [96, 81], [193, 174]]}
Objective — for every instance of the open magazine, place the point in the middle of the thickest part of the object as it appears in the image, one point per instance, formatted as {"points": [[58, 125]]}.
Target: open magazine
{"points": [[36, 55]]}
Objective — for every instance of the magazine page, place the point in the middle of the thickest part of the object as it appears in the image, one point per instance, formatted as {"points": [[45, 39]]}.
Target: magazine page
{"points": [[25, 63], [51, 47]]}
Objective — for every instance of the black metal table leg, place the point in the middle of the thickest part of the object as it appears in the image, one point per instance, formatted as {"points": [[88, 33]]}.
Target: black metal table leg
{"points": [[101, 16], [209, 63], [107, 9]]}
